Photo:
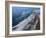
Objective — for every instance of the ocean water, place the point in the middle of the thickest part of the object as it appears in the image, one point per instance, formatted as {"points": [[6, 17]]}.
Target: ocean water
{"points": [[21, 13]]}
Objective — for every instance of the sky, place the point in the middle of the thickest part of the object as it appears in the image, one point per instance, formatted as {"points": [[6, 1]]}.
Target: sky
{"points": [[20, 10]]}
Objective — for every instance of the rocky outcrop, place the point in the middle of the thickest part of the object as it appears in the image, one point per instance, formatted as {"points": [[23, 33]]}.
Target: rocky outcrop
{"points": [[32, 22]]}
